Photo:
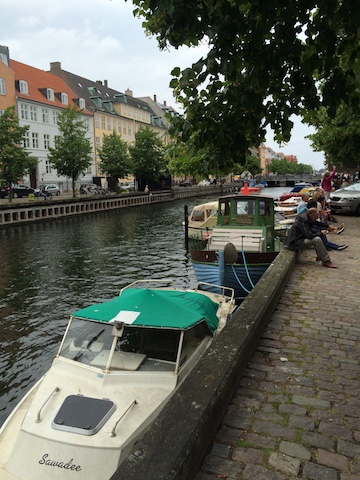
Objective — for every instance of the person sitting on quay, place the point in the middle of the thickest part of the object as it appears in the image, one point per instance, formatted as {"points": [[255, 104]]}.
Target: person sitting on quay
{"points": [[303, 234], [305, 197]]}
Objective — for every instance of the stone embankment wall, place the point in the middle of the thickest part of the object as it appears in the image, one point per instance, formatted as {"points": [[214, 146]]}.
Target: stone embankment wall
{"points": [[25, 211]]}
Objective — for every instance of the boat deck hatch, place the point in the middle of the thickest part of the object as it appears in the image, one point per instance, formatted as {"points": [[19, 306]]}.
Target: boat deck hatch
{"points": [[83, 415]]}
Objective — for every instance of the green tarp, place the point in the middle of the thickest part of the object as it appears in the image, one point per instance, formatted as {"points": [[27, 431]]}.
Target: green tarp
{"points": [[155, 308]]}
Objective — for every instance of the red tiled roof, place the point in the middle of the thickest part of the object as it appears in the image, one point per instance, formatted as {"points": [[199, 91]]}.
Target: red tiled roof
{"points": [[39, 79]]}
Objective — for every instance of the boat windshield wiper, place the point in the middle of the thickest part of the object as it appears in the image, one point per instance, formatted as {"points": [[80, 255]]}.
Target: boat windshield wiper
{"points": [[88, 345]]}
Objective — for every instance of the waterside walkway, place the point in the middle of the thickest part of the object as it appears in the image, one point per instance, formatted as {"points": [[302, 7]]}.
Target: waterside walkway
{"points": [[277, 397], [296, 411]]}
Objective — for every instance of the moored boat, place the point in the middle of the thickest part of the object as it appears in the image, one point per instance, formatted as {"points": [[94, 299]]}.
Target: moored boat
{"points": [[118, 364], [202, 219], [241, 246]]}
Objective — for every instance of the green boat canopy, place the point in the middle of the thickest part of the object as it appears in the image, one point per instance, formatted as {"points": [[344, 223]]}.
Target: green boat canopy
{"points": [[155, 308]]}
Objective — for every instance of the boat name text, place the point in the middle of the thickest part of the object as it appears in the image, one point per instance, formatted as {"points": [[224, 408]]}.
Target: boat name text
{"points": [[54, 463]]}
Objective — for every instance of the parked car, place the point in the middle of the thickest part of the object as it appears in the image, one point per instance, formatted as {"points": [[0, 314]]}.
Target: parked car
{"points": [[204, 183], [86, 188], [185, 183], [48, 189], [128, 186], [18, 191], [346, 199]]}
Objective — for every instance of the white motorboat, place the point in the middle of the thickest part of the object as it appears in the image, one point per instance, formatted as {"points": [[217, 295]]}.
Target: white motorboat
{"points": [[118, 364], [202, 219]]}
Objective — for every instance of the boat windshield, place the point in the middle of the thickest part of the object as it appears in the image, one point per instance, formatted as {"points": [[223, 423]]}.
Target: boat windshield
{"points": [[136, 348]]}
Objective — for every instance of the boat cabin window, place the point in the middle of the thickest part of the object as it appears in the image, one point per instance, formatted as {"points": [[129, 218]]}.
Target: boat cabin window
{"points": [[138, 348], [85, 339], [245, 207]]}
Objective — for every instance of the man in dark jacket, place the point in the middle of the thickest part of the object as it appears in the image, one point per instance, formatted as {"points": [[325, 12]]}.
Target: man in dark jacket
{"points": [[303, 234]]}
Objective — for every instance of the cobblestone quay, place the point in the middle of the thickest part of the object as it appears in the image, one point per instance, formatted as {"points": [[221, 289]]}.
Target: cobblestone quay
{"points": [[296, 411]]}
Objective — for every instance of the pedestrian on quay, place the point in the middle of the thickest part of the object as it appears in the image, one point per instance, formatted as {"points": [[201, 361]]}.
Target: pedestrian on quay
{"points": [[303, 234], [326, 183]]}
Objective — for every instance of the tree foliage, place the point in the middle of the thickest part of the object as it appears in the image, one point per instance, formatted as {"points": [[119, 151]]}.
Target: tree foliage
{"points": [[148, 156], [71, 155], [338, 137], [283, 167], [264, 63], [15, 161], [115, 157]]}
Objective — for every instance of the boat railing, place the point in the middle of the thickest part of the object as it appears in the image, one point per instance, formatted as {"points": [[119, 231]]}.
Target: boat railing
{"points": [[38, 418], [132, 404], [227, 292], [157, 283]]}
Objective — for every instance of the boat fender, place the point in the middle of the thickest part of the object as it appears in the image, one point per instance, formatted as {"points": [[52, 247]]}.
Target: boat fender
{"points": [[230, 253]]}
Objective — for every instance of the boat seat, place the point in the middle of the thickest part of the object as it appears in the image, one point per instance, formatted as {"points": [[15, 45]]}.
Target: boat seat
{"points": [[250, 240], [120, 360]]}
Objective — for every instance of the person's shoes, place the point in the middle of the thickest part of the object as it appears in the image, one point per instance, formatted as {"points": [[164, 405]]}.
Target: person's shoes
{"points": [[329, 265], [340, 230], [318, 258], [342, 247]]}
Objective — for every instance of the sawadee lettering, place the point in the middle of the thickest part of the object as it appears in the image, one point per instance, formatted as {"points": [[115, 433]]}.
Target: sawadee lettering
{"points": [[55, 463]]}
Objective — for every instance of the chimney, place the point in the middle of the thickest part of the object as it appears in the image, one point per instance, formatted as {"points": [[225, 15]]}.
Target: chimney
{"points": [[164, 103], [106, 83], [129, 92], [155, 98], [99, 82], [55, 68]]}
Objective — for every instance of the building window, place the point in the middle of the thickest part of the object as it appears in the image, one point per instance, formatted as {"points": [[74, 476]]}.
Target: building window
{"points": [[103, 126], [50, 94], [23, 87], [47, 166], [64, 99], [114, 124], [86, 123], [24, 111], [45, 115], [55, 117], [109, 123], [124, 128], [97, 141], [46, 141], [2, 86], [97, 121], [81, 103], [119, 126], [33, 113], [35, 140], [26, 140], [129, 128]]}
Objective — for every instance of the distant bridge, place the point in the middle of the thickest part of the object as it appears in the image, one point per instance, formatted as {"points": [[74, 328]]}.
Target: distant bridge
{"points": [[289, 180]]}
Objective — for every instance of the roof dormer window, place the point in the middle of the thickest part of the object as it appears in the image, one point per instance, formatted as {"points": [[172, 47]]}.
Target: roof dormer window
{"points": [[64, 99], [50, 94], [81, 103], [23, 87]]}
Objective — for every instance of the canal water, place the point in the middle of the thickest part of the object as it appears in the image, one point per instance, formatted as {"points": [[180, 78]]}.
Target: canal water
{"points": [[51, 269]]}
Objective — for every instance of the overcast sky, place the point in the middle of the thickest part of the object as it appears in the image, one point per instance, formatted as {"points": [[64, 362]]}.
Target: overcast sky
{"points": [[101, 40]]}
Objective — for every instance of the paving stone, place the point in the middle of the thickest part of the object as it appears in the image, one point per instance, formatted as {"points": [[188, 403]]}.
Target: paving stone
{"points": [[340, 462], [295, 450], [312, 471], [285, 463], [300, 419]]}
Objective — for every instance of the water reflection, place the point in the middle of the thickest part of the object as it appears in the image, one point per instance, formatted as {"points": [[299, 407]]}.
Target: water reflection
{"points": [[51, 269]]}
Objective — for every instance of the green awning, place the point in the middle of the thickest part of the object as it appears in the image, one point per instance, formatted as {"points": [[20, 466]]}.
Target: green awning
{"points": [[155, 308]]}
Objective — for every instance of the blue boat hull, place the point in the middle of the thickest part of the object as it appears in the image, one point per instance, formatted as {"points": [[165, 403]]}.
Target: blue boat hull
{"points": [[242, 276]]}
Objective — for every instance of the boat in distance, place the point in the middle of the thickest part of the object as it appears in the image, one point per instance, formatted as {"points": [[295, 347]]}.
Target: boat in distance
{"points": [[202, 218], [117, 366], [240, 247]]}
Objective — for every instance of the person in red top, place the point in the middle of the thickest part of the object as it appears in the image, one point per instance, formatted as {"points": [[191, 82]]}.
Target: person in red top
{"points": [[326, 183]]}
